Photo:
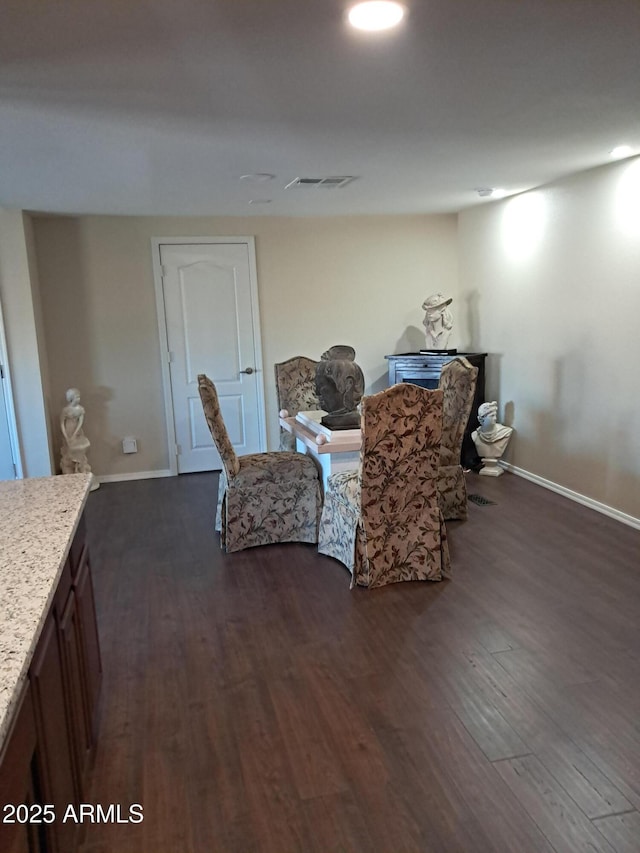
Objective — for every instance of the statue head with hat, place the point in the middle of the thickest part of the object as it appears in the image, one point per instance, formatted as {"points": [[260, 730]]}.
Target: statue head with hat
{"points": [[438, 320], [436, 302]]}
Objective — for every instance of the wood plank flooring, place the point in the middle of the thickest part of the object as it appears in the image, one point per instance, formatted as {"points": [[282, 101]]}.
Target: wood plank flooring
{"points": [[253, 703]]}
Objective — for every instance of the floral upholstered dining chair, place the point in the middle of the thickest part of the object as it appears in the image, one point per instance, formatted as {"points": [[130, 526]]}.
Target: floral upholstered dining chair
{"points": [[296, 391], [383, 520], [263, 497], [458, 383]]}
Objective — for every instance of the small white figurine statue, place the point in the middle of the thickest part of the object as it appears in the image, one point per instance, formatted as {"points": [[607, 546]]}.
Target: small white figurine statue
{"points": [[438, 321], [490, 439], [73, 453]]}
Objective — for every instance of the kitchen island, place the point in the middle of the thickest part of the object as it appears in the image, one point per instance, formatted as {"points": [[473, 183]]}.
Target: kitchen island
{"points": [[50, 669]]}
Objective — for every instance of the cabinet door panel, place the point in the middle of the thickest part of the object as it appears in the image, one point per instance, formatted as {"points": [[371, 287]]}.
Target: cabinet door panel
{"points": [[60, 786], [90, 643], [71, 641], [77, 546], [20, 781], [20, 843]]}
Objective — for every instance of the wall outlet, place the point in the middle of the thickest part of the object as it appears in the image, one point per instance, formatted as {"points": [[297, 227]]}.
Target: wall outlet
{"points": [[129, 445]]}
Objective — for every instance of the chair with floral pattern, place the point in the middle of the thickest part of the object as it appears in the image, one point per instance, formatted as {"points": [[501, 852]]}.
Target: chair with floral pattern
{"points": [[383, 521], [458, 383], [296, 390], [263, 497]]}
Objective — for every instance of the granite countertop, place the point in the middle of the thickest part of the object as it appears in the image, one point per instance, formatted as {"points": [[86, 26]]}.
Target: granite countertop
{"points": [[38, 519]]}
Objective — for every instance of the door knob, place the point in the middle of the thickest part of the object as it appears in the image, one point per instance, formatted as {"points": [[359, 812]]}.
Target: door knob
{"points": [[248, 371]]}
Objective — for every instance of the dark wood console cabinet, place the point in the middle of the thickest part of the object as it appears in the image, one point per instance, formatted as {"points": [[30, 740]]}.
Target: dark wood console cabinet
{"points": [[424, 369], [49, 748]]}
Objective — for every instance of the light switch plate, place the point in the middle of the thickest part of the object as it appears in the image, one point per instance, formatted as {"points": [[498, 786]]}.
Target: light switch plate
{"points": [[129, 445]]}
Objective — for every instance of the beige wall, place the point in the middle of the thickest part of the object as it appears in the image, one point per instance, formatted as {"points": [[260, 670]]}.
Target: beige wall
{"points": [[550, 281], [356, 280]]}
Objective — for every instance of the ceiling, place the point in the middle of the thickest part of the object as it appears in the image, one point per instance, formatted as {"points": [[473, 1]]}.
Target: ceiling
{"points": [[159, 106]]}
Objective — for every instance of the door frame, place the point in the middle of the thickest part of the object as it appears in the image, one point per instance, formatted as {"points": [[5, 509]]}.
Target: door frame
{"points": [[156, 243], [8, 402]]}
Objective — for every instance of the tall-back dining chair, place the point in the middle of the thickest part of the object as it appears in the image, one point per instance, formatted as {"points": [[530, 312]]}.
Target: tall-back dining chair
{"points": [[264, 497], [458, 383], [383, 520], [296, 391]]}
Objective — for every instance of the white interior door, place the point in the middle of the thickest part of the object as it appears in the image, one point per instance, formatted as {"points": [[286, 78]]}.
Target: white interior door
{"points": [[10, 467], [211, 314], [7, 464]]}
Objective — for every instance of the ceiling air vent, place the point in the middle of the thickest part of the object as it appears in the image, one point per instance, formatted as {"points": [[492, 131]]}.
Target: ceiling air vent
{"points": [[321, 183]]}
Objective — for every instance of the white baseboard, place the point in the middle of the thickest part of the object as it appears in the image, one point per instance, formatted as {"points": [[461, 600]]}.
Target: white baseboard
{"points": [[135, 475], [616, 514]]}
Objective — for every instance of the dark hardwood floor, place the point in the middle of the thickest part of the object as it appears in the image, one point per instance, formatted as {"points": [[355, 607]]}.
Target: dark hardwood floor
{"points": [[253, 703]]}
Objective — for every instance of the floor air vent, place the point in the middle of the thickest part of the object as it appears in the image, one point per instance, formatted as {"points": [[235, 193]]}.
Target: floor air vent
{"points": [[480, 500]]}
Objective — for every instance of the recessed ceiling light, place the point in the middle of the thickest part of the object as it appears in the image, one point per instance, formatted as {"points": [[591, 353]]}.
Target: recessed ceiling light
{"points": [[621, 151], [257, 177], [260, 201], [376, 15]]}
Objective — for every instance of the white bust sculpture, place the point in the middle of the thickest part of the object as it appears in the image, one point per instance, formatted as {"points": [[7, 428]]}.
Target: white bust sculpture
{"points": [[438, 321], [73, 453], [490, 439]]}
